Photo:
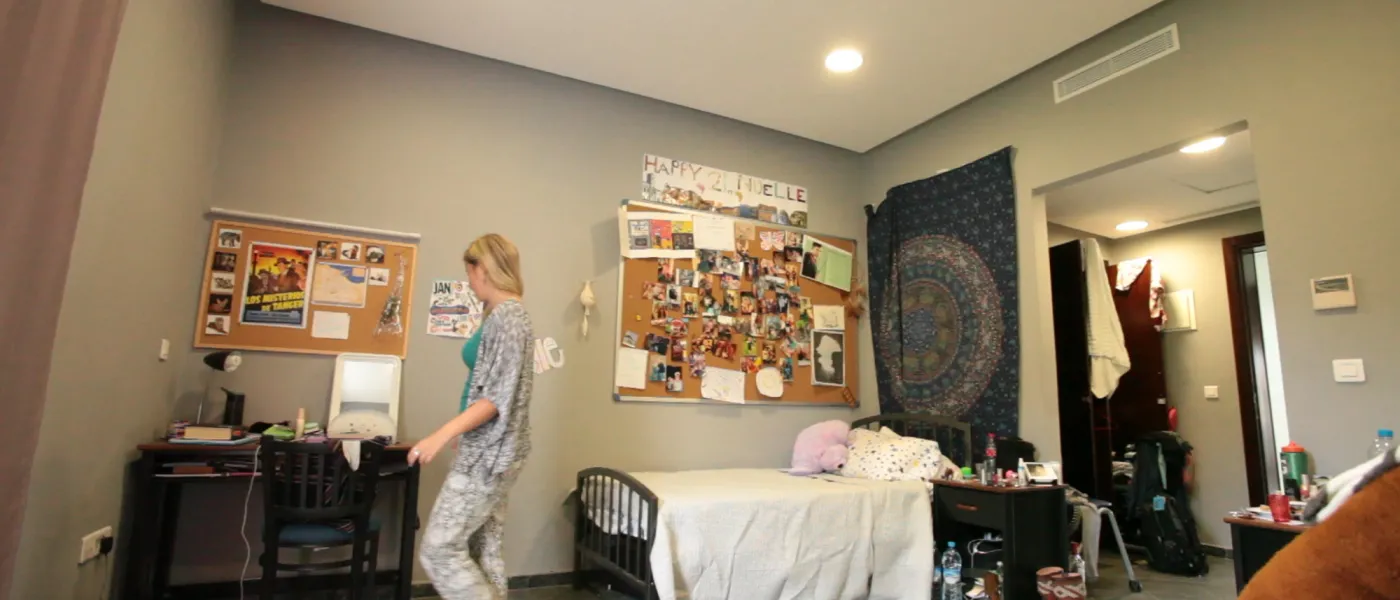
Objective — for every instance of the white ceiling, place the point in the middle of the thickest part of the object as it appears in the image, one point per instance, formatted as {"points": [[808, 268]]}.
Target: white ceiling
{"points": [[761, 61], [1168, 190]]}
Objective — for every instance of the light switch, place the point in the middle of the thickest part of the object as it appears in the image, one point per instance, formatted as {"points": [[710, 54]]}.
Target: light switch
{"points": [[1348, 370], [165, 350], [1212, 392]]}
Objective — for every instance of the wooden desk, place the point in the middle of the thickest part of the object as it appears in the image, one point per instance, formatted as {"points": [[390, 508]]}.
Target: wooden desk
{"points": [[1256, 541], [1033, 523], [157, 507]]}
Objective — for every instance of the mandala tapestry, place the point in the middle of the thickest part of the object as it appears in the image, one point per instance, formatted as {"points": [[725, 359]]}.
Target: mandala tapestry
{"points": [[943, 297]]}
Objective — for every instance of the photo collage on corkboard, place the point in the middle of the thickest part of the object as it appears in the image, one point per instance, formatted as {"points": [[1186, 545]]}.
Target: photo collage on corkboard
{"points": [[763, 322], [289, 290]]}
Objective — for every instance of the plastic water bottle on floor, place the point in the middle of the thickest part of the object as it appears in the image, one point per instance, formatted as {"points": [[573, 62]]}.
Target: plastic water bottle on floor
{"points": [[952, 574], [1385, 442]]}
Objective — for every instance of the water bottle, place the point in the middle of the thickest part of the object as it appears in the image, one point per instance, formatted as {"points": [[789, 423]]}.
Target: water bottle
{"points": [[1385, 442], [952, 574]]}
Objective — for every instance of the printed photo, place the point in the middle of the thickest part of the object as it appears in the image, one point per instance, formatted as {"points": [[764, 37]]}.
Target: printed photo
{"points": [[658, 344], [730, 266], [661, 235], [759, 327], [769, 353], [829, 350], [224, 262], [702, 281], [774, 327], [216, 325], [639, 233], [653, 291], [749, 364], [725, 350], [691, 307], [825, 263], [658, 312], [744, 232], [327, 250], [351, 251], [765, 267], [665, 270], [707, 260], [674, 379], [374, 255], [677, 327], [793, 254], [220, 304], [230, 239], [685, 277], [751, 266], [783, 302], [378, 276], [629, 339], [787, 369], [770, 306], [673, 296], [697, 363], [731, 301], [678, 348], [750, 347], [656, 368], [804, 355], [702, 345], [793, 239], [708, 307], [683, 235], [804, 304], [744, 326], [746, 303], [709, 327], [221, 282], [729, 282]]}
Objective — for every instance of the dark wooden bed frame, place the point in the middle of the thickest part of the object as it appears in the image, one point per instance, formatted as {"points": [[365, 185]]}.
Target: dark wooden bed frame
{"points": [[625, 560]]}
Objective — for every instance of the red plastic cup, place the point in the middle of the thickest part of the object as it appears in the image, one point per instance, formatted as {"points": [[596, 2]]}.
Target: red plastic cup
{"points": [[1278, 505]]}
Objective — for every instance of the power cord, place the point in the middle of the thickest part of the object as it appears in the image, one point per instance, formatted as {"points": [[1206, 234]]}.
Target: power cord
{"points": [[243, 528]]}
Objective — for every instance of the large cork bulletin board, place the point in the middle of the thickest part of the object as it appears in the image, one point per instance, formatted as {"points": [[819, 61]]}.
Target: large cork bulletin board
{"points": [[265, 288], [637, 316]]}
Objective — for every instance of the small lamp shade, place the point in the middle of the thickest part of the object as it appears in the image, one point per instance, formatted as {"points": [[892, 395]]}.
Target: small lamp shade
{"points": [[223, 361]]}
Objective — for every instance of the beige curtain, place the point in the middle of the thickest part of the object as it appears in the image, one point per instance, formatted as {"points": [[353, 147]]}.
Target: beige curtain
{"points": [[54, 59]]}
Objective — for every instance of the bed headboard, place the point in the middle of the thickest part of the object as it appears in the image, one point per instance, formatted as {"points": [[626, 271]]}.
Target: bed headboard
{"points": [[954, 437]]}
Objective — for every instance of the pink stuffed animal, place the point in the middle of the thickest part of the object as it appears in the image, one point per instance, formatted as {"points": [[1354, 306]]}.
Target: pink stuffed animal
{"points": [[821, 447]]}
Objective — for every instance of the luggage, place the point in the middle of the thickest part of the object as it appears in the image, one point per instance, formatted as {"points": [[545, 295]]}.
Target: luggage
{"points": [[1161, 508]]}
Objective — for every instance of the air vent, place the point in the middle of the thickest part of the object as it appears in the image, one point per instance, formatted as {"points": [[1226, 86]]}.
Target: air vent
{"points": [[1105, 69]]}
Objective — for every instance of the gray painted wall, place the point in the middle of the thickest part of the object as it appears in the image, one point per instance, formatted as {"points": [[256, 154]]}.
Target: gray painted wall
{"points": [[341, 124], [131, 282], [1189, 258], [1057, 234], [1317, 83]]}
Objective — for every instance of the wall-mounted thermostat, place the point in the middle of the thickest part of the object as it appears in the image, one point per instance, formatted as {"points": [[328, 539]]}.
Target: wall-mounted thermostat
{"points": [[1333, 292]]}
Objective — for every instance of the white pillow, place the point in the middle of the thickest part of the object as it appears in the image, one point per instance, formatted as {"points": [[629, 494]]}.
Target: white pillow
{"points": [[886, 456]]}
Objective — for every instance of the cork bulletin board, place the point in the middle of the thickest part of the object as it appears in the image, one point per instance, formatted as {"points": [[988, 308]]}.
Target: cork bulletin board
{"points": [[765, 251], [278, 289]]}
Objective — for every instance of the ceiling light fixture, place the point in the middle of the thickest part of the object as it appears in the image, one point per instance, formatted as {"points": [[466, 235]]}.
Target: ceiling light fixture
{"points": [[1205, 145], [844, 60], [1132, 226]]}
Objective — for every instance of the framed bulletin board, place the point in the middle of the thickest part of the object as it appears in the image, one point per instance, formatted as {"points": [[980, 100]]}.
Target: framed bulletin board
{"points": [[768, 306], [279, 289]]}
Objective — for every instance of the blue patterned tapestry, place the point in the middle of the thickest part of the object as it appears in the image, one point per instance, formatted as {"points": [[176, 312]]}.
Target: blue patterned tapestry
{"points": [[943, 297]]}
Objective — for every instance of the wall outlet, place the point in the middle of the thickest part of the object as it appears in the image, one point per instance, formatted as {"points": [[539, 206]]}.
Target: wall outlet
{"points": [[92, 544], [1212, 392]]}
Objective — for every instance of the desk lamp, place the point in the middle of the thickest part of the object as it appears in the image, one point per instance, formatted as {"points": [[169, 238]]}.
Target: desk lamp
{"points": [[226, 361]]}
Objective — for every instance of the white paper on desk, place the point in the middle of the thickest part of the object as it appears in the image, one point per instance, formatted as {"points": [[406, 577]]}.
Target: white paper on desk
{"points": [[725, 385], [713, 233], [330, 325], [631, 368], [829, 317]]}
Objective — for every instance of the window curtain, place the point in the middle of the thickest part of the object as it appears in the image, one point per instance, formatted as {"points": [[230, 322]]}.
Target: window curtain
{"points": [[54, 60], [943, 301]]}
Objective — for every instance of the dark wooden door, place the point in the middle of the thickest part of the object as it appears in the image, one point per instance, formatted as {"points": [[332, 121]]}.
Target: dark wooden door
{"points": [[1083, 436], [1139, 405]]}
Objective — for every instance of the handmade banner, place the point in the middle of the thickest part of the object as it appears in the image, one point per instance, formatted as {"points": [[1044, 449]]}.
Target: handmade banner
{"points": [[943, 300], [683, 183]]}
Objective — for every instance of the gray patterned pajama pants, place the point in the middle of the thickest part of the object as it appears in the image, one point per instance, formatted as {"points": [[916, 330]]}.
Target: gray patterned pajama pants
{"points": [[461, 549]]}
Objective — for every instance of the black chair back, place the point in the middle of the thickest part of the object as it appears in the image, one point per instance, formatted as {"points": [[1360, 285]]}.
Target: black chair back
{"points": [[306, 482]]}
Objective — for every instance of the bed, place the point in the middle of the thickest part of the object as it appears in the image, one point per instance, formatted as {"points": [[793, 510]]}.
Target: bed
{"points": [[762, 533]]}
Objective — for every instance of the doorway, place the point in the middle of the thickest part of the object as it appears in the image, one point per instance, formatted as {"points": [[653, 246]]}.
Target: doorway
{"points": [[1263, 420]]}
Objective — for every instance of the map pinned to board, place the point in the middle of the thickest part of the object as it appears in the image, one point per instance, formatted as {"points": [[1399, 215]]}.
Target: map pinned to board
{"points": [[336, 284]]}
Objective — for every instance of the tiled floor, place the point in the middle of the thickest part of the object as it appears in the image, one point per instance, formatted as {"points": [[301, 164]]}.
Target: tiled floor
{"points": [[1112, 585]]}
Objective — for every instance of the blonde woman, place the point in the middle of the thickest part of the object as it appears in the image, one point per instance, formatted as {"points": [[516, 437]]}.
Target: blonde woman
{"points": [[461, 549]]}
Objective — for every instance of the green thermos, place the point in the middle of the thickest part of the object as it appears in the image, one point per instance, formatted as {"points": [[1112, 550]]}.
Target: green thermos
{"points": [[1295, 467]]}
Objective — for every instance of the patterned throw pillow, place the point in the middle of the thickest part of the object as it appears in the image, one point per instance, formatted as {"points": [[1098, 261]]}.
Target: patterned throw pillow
{"points": [[886, 456]]}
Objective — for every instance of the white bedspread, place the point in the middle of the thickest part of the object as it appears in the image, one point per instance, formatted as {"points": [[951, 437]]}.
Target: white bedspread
{"points": [[760, 534]]}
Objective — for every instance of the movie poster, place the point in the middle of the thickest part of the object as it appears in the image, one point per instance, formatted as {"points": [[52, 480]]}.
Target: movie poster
{"points": [[454, 310], [274, 291]]}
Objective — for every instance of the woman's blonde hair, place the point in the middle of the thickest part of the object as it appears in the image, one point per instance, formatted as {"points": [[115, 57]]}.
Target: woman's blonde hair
{"points": [[501, 260]]}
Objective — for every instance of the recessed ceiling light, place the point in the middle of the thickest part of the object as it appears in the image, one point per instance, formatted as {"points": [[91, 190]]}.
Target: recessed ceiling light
{"points": [[1132, 226], [844, 60], [1205, 145]]}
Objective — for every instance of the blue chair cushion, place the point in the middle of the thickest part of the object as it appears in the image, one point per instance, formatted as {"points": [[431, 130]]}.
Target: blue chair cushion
{"points": [[311, 534]]}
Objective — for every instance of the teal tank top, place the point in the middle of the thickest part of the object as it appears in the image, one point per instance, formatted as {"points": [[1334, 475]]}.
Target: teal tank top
{"points": [[469, 358]]}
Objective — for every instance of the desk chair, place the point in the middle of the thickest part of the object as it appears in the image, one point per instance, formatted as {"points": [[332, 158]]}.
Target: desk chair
{"points": [[314, 500]]}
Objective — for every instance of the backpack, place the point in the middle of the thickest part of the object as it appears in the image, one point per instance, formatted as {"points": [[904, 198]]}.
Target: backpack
{"points": [[1162, 510], [1169, 534]]}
